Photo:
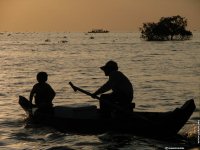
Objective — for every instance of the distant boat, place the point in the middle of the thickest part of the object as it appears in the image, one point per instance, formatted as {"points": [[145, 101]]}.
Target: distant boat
{"points": [[47, 40], [63, 41], [98, 31]]}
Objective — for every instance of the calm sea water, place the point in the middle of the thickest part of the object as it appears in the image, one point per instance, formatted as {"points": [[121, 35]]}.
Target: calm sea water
{"points": [[164, 74]]}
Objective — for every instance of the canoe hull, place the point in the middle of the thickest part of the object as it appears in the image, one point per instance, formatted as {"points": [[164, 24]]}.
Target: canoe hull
{"points": [[90, 120]]}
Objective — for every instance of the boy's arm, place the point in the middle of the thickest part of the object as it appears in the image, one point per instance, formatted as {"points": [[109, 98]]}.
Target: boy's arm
{"points": [[52, 92], [32, 94]]}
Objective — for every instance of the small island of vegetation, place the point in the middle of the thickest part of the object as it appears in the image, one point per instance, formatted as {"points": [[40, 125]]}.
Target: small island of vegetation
{"points": [[168, 28]]}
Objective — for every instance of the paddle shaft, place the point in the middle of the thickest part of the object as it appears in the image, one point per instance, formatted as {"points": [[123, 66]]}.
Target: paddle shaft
{"points": [[75, 88]]}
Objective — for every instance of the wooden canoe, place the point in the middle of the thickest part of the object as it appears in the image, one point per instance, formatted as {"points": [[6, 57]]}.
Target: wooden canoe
{"points": [[87, 119]]}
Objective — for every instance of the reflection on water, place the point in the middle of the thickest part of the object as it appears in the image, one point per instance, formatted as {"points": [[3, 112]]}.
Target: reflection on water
{"points": [[164, 74]]}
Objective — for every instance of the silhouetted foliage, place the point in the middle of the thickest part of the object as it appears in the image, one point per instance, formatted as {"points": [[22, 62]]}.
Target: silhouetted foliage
{"points": [[168, 28]]}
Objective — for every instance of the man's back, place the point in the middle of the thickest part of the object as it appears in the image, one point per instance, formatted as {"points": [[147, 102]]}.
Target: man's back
{"points": [[121, 85]]}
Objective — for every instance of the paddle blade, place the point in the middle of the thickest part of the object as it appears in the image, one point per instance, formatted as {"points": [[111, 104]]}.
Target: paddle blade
{"points": [[73, 87]]}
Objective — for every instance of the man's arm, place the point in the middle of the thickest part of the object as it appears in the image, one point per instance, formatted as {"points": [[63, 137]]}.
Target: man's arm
{"points": [[106, 87]]}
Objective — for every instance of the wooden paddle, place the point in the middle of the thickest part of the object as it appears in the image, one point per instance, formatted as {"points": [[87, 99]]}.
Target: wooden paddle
{"points": [[75, 88]]}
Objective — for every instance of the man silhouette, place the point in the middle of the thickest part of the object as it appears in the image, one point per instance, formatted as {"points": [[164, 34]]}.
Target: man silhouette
{"points": [[122, 90]]}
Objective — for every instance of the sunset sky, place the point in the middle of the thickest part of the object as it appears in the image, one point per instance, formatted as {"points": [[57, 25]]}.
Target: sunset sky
{"points": [[84, 15]]}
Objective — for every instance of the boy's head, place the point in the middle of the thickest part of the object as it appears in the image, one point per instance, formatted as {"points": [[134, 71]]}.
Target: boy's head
{"points": [[42, 77]]}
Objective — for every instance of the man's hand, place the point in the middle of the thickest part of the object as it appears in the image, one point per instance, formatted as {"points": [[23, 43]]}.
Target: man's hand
{"points": [[93, 95]]}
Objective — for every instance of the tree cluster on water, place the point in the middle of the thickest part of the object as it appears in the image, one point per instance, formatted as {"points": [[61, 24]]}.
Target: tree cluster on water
{"points": [[168, 28]]}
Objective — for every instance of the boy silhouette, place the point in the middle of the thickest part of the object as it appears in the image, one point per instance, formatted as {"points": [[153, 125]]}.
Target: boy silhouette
{"points": [[43, 93]]}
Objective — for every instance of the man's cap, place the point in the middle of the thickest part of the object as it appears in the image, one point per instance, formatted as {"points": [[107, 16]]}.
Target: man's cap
{"points": [[110, 65]]}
